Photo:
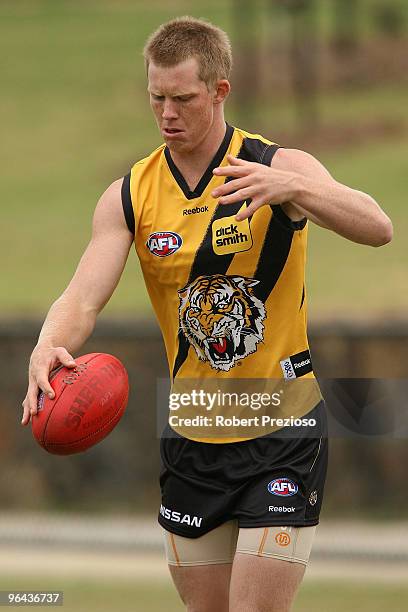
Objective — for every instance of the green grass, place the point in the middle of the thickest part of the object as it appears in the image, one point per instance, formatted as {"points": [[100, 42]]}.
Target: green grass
{"points": [[347, 278], [104, 596], [76, 117], [341, 596], [149, 596]]}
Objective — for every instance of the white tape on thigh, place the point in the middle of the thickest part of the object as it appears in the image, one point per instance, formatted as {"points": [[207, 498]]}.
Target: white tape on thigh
{"points": [[286, 543], [216, 546]]}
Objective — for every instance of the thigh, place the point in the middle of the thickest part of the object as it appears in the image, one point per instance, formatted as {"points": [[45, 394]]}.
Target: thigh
{"points": [[262, 584], [268, 568], [201, 567]]}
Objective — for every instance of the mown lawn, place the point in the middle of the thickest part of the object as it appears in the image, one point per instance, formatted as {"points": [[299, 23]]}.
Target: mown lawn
{"points": [[160, 596]]}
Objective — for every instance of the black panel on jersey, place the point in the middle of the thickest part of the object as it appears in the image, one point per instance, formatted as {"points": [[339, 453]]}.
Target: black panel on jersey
{"points": [[276, 246], [208, 174], [277, 243], [267, 154], [255, 150], [303, 298], [264, 155], [275, 251], [183, 346], [286, 221], [127, 204]]}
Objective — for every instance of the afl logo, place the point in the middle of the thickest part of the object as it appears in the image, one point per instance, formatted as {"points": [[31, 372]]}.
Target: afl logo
{"points": [[162, 244], [40, 401], [284, 487]]}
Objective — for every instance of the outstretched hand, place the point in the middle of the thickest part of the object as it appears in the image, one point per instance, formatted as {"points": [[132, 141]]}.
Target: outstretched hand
{"points": [[251, 180]]}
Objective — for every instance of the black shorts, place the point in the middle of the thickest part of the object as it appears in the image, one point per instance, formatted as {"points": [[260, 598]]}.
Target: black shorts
{"points": [[277, 479]]}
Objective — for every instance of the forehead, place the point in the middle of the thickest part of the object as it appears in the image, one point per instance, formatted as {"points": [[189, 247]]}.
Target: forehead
{"points": [[174, 78]]}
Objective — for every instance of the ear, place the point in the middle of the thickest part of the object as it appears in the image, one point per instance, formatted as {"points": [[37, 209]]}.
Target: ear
{"points": [[243, 283], [183, 293], [222, 89]]}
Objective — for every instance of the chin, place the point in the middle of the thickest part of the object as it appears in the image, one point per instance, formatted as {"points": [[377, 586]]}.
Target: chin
{"points": [[179, 146]]}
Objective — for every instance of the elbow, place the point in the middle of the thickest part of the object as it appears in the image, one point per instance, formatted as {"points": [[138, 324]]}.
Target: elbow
{"points": [[384, 233]]}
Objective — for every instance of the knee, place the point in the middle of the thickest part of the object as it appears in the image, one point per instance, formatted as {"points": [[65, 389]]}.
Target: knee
{"points": [[197, 598], [245, 606]]}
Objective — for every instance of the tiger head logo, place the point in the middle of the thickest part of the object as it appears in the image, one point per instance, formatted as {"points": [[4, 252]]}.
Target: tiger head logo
{"points": [[221, 318]]}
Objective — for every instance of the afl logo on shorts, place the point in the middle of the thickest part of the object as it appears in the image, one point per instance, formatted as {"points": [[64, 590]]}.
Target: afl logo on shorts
{"points": [[284, 487], [163, 244]]}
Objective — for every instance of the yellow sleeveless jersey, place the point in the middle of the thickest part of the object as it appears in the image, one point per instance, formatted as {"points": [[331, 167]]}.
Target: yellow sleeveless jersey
{"points": [[229, 296]]}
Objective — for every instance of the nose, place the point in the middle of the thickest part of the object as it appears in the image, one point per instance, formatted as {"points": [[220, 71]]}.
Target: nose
{"points": [[169, 109]]}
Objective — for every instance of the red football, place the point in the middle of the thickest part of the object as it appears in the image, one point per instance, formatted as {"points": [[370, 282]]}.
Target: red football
{"points": [[89, 401]]}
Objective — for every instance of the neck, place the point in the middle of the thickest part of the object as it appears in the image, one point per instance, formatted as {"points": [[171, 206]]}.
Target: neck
{"points": [[199, 158]]}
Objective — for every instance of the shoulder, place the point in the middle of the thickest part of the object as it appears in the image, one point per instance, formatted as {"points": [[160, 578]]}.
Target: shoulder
{"points": [[109, 209], [111, 197], [252, 136], [296, 160], [112, 193], [254, 147], [154, 156], [110, 201], [302, 163]]}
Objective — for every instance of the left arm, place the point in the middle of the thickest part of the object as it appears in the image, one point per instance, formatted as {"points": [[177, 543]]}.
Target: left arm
{"points": [[305, 188]]}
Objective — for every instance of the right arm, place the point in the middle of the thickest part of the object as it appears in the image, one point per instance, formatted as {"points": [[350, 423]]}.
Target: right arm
{"points": [[71, 318]]}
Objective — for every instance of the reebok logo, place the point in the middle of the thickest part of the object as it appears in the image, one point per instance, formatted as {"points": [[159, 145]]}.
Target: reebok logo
{"points": [[296, 365], [302, 363], [195, 210], [281, 509]]}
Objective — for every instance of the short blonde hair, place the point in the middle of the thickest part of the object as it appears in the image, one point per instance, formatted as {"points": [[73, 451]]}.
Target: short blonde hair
{"points": [[184, 37]]}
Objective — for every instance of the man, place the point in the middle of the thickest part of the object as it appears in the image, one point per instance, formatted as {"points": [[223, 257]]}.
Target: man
{"points": [[219, 221]]}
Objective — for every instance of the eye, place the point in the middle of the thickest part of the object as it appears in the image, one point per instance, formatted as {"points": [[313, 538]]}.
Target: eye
{"points": [[183, 98], [157, 98]]}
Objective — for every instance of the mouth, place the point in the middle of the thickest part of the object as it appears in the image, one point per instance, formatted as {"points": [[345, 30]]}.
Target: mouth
{"points": [[171, 132], [221, 349]]}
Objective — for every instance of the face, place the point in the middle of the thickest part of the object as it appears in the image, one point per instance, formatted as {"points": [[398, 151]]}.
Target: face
{"points": [[183, 106]]}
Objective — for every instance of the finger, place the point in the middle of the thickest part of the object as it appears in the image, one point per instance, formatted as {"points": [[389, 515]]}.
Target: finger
{"points": [[26, 412], [248, 211], [238, 196], [236, 161], [44, 384], [30, 402], [230, 187], [231, 171], [64, 357], [33, 395]]}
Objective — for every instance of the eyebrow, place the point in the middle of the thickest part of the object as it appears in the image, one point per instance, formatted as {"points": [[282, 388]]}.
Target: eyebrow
{"points": [[175, 95]]}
